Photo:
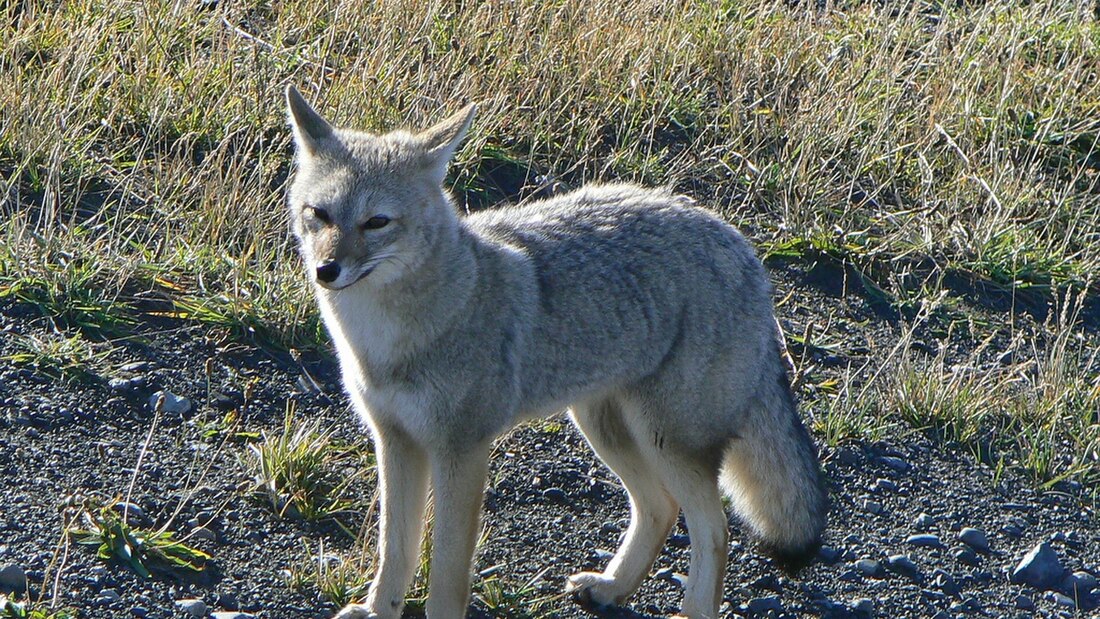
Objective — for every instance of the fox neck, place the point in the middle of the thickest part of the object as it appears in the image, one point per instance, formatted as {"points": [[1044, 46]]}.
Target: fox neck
{"points": [[377, 326]]}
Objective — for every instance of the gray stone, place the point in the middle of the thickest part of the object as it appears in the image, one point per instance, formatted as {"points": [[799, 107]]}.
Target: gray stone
{"points": [[872, 507], [173, 404], [924, 522], [870, 567], [110, 595], [967, 556], [205, 534], [1079, 583], [1062, 600], [765, 604], [883, 484], [130, 511], [13, 578], [194, 607], [1024, 603], [924, 540], [1040, 568], [604, 555], [554, 494], [903, 565], [231, 614], [894, 463], [975, 538], [864, 607]]}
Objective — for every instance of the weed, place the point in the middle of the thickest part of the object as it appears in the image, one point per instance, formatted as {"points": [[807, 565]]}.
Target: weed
{"points": [[140, 549], [70, 357], [299, 471], [13, 609], [338, 579]]}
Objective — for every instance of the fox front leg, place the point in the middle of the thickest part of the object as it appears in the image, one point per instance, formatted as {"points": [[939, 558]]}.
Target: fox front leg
{"points": [[403, 480], [458, 483]]}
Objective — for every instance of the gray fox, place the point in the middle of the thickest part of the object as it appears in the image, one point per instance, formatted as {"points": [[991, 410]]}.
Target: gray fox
{"points": [[648, 318]]}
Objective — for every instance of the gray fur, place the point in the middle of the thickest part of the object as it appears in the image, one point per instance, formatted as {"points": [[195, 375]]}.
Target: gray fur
{"points": [[649, 318]]}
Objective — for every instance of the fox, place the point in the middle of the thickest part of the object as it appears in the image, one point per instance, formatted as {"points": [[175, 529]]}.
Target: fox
{"points": [[647, 317]]}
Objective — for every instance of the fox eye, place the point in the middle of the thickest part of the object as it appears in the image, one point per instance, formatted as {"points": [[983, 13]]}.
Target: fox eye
{"points": [[376, 222], [319, 213]]}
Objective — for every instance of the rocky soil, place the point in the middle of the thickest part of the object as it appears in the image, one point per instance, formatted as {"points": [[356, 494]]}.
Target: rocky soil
{"points": [[918, 529]]}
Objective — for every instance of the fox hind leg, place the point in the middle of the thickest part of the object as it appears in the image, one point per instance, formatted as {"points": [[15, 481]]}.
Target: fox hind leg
{"points": [[653, 511]]}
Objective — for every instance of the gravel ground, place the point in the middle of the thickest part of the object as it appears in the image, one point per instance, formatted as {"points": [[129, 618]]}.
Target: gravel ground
{"points": [[917, 529]]}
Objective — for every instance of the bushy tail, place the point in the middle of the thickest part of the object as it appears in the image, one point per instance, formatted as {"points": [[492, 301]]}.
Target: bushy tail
{"points": [[771, 473]]}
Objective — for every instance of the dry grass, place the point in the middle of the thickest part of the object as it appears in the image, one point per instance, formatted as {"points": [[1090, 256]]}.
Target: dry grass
{"points": [[143, 147]]}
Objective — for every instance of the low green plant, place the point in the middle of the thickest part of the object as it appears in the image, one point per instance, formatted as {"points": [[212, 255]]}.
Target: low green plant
{"points": [[227, 428], [338, 579], [297, 472], [509, 600], [142, 550], [69, 357], [14, 609]]}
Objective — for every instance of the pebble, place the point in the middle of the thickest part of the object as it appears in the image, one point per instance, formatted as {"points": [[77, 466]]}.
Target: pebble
{"points": [[968, 605], [231, 614], [924, 522], [870, 567], [130, 510], [109, 595], [1079, 583], [883, 484], [679, 541], [604, 555], [864, 607], [1024, 603], [924, 540], [1040, 568], [872, 507], [975, 538], [967, 556], [945, 582], [764, 604], [13, 578], [903, 565], [194, 607], [1061, 600], [126, 385], [135, 367], [203, 533], [173, 404], [895, 463], [554, 494], [828, 554]]}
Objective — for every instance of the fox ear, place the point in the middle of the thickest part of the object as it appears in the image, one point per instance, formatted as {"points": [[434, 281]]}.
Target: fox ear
{"points": [[440, 141], [309, 128]]}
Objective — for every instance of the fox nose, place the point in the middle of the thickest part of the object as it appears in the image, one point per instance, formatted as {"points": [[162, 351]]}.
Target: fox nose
{"points": [[328, 272]]}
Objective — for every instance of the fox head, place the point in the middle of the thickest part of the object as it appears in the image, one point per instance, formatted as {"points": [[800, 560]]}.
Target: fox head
{"points": [[368, 207]]}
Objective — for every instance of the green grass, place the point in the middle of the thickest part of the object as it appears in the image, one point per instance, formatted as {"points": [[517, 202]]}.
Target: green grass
{"points": [[299, 472], [14, 609]]}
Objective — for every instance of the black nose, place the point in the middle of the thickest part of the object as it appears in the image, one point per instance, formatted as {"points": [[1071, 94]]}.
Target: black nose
{"points": [[328, 272]]}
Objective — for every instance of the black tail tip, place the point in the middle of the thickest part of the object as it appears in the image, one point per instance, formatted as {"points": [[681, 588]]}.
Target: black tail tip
{"points": [[791, 559]]}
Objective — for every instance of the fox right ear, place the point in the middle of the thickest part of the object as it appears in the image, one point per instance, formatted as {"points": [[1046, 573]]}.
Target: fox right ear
{"points": [[309, 128]]}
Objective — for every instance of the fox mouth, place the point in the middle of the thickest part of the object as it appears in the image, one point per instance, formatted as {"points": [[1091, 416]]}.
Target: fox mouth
{"points": [[367, 271]]}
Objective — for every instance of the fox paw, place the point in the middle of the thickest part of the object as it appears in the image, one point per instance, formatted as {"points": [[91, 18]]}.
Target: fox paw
{"points": [[592, 589]]}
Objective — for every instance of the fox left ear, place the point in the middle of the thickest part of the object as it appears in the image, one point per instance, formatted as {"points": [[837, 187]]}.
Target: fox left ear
{"points": [[442, 140], [309, 128]]}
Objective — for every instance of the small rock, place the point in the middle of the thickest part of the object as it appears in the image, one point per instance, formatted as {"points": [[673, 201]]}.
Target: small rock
{"points": [[205, 534], [554, 494], [967, 556], [130, 510], [872, 507], [13, 578], [870, 567], [975, 538], [924, 540], [126, 385], [1040, 568], [173, 404], [679, 541], [1062, 600], [924, 522], [193, 607], [139, 611], [110, 595], [945, 582], [828, 554], [864, 607], [903, 565], [765, 604], [609, 527], [231, 614], [895, 463], [968, 605], [603, 555], [1079, 583], [1024, 603], [883, 484], [665, 573], [135, 367]]}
